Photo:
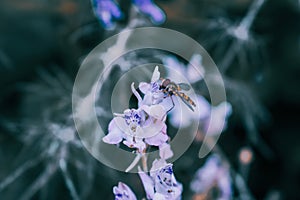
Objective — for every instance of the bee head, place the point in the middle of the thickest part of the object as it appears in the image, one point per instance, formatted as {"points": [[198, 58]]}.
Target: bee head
{"points": [[165, 83]]}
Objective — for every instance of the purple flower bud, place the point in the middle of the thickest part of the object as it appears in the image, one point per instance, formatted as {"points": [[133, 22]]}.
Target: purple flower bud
{"points": [[149, 8], [123, 192], [106, 11]]}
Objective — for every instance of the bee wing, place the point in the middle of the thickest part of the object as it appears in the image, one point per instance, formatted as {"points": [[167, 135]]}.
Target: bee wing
{"points": [[181, 95], [184, 86]]}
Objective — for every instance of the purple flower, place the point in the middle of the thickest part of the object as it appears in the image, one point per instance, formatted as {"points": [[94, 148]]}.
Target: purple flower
{"points": [[123, 192], [106, 11], [220, 115], [138, 127], [193, 72], [165, 151], [161, 184], [150, 9], [213, 174], [152, 92]]}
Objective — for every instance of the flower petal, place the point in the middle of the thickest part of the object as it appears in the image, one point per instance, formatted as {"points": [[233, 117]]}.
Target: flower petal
{"points": [[135, 143], [159, 138], [147, 183], [149, 8], [165, 151], [115, 135], [145, 87], [121, 124], [156, 111], [219, 116], [123, 192], [158, 196], [195, 70], [156, 75], [157, 165], [154, 127]]}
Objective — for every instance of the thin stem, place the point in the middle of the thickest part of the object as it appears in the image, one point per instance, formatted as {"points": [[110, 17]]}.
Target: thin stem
{"points": [[134, 163], [241, 32], [144, 162], [69, 183], [18, 172], [252, 13], [39, 182]]}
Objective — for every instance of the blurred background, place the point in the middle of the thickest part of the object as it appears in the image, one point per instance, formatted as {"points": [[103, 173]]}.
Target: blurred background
{"points": [[255, 44]]}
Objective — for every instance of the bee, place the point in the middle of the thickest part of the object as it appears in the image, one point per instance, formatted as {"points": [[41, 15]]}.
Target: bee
{"points": [[170, 88]]}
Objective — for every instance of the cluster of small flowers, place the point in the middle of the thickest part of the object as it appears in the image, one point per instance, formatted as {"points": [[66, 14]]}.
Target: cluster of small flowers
{"points": [[107, 11], [143, 127], [159, 185]]}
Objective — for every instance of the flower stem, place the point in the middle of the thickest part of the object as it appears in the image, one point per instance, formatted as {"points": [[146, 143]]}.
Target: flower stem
{"points": [[144, 162]]}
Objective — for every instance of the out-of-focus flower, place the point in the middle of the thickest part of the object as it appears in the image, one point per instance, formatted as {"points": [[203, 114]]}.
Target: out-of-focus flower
{"points": [[220, 112], [107, 11], [149, 8], [181, 116], [123, 192], [214, 174], [161, 184], [193, 73]]}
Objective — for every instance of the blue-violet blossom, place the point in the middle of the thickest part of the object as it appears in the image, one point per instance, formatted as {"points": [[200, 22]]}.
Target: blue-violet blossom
{"points": [[138, 127], [213, 174], [161, 184], [123, 192], [106, 11], [149, 8]]}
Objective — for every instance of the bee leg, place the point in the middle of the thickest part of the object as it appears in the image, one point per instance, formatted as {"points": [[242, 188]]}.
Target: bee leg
{"points": [[173, 104]]}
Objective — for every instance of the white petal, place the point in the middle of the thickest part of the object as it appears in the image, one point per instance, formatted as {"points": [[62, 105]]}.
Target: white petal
{"points": [[145, 87], [165, 151], [204, 106], [218, 120], [156, 75], [195, 70], [159, 196], [153, 128], [121, 124], [157, 140], [156, 111], [113, 137]]}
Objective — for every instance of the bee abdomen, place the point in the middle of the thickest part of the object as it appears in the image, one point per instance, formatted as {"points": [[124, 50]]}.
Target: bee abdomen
{"points": [[187, 98]]}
